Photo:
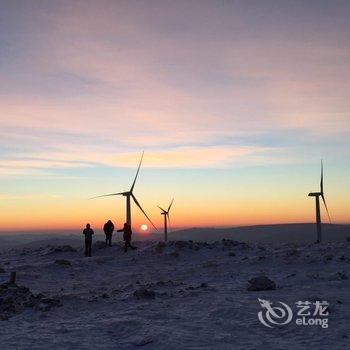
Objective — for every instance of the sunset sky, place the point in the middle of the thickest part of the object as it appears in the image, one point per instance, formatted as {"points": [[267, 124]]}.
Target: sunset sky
{"points": [[234, 103]]}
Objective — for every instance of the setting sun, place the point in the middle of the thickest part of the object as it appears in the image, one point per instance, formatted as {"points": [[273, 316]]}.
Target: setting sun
{"points": [[144, 227]]}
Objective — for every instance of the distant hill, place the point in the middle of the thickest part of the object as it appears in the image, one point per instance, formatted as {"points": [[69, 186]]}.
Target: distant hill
{"points": [[74, 238], [273, 234], [35, 240], [5, 243]]}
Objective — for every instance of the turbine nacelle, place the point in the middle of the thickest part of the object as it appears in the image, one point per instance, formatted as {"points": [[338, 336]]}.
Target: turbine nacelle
{"points": [[164, 212], [314, 194]]}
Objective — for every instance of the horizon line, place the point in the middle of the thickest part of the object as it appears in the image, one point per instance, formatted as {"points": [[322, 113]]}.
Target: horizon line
{"points": [[175, 229]]}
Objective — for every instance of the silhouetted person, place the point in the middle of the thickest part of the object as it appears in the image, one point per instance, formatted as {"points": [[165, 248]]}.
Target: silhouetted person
{"points": [[127, 237], [108, 229], [88, 232]]}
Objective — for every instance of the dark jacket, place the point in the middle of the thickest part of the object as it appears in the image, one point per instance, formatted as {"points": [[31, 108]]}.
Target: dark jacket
{"points": [[108, 228], [88, 232]]}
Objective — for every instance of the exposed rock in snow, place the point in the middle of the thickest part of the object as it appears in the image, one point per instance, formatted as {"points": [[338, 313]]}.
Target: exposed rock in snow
{"points": [[14, 299], [210, 263], [230, 243], [144, 293], [64, 249], [202, 285], [261, 283], [63, 262], [143, 341], [99, 245], [159, 248], [339, 276], [185, 244], [182, 244], [45, 304], [292, 252]]}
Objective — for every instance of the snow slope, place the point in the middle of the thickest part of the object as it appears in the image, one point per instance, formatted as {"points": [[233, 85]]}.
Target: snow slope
{"points": [[195, 297]]}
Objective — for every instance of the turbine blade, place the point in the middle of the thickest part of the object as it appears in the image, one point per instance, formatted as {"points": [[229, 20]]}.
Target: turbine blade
{"points": [[325, 205], [139, 205], [321, 183], [107, 195], [161, 209], [137, 173], [171, 204]]}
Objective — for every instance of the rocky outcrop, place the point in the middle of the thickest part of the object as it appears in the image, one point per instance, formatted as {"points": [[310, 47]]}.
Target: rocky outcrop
{"points": [[144, 293], [64, 249], [14, 299], [261, 283], [62, 262]]}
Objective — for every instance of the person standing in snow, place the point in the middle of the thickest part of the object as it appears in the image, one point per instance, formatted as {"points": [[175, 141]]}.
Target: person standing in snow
{"points": [[108, 229], [127, 232], [88, 232]]}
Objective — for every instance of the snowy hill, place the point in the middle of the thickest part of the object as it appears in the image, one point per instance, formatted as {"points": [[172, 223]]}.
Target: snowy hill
{"points": [[182, 295]]}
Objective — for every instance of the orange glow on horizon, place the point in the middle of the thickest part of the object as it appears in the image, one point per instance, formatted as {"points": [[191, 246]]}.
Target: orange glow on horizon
{"points": [[76, 215]]}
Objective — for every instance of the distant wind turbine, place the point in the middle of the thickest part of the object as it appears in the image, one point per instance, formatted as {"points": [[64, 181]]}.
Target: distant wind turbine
{"points": [[129, 194], [317, 196], [166, 219]]}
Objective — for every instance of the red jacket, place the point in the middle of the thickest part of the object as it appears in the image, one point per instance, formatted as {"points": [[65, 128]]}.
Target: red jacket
{"points": [[127, 232]]}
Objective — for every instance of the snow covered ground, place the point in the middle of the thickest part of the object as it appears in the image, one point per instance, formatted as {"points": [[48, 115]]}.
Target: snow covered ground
{"points": [[180, 296]]}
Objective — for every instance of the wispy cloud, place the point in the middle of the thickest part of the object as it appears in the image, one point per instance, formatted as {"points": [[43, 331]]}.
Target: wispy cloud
{"points": [[9, 197], [101, 82], [183, 157]]}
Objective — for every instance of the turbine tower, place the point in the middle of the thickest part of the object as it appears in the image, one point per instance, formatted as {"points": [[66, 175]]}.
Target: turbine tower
{"points": [[129, 194], [166, 219], [317, 196]]}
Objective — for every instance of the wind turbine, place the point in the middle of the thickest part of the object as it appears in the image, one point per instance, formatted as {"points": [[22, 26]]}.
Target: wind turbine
{"points": [[166, 218], [129, 194], [317, 196]]}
